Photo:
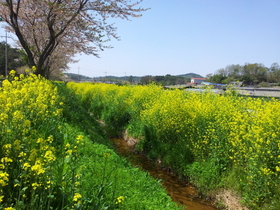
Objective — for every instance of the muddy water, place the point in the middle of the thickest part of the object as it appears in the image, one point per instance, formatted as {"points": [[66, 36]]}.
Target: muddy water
{"points": [[180, 192]]}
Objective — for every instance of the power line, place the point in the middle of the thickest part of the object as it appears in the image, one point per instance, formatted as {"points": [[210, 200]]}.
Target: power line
{"points": [[106, 73]]}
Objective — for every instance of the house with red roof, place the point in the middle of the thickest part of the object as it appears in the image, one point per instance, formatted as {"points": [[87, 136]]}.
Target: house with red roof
{"points": [[197, 80]]}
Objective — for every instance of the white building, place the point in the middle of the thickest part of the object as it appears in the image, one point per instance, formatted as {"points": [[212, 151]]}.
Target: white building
{"points": [[197, 80]]}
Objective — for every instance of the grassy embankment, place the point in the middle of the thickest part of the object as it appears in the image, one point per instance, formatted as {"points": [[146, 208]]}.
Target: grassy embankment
{"points": [[219, 141], [55, 156]]}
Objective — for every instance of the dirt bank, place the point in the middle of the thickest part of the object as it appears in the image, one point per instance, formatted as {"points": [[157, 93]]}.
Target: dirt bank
{"points": [[229, 200], [224, 199]]}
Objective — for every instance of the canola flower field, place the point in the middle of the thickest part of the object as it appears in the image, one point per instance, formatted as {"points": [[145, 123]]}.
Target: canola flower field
{"points": [[54, 155], [218, 141]]}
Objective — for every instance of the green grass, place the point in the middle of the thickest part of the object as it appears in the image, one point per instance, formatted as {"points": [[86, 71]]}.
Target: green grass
{"points": [[105, 175]]}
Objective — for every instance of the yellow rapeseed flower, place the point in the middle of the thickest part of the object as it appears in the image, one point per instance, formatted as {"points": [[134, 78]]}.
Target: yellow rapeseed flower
{"points": [[3, 183], [120, 199], [9, 208], [26, 166], [4, 178], [50, 156], [77, 196], [22, 154], [12, 72], [6, 160], [80, 137], [35, 185], [7, 146], [37, 168], [69, 152], [40, 140], [50, 139]]}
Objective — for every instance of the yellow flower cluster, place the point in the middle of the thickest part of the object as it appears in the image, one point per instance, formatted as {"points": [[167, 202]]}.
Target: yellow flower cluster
{"points": [[72, 150], [27, 159], [241, 132], [31, 97], [38, 168], [4, 178], [77, 197], [9, 208], [120, 199]]}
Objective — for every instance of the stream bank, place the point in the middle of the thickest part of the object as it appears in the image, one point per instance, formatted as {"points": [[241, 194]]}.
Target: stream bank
{"points": [[181, 192]]}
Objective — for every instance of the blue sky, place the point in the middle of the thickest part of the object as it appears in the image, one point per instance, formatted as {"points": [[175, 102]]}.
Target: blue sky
{"points": [[182, 36]]}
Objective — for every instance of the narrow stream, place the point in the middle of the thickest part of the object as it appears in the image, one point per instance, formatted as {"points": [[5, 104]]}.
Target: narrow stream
{"points": [[180, 192]]}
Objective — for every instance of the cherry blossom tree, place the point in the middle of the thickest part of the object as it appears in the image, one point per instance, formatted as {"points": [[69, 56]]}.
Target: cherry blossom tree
{"points": [[49, 30]]}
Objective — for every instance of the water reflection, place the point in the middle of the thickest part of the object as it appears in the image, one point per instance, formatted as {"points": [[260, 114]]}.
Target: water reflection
{"points": [[180, 192]]}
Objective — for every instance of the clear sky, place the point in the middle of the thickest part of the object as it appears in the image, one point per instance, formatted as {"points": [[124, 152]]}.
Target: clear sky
{"points": [[190, 36]]}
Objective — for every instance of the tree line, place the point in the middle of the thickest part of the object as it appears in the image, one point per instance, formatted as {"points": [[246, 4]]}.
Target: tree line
{"points": [[249, 74], [164, 80]]}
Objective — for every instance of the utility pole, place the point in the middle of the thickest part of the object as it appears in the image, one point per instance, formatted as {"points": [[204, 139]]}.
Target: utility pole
{"points": [[6, 56], [78, 74], [6, 51]]}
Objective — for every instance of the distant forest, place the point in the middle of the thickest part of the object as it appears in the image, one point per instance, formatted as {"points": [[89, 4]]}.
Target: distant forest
{"points": [[160, 80], [249, 74]]}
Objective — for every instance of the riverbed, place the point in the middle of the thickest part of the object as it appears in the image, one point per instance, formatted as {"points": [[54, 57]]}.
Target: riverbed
{"points": [[180, 191]]}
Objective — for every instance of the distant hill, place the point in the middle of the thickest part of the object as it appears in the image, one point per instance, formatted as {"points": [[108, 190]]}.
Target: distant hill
{"points": [[190, 75], [77, 77]]}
